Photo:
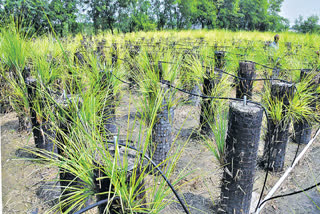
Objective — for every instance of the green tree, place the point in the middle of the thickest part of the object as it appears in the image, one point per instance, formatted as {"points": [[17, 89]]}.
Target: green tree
{"points": [[141, 16], [27, 14], [205, 13], [228, 14], [33, 15], [62, 14], [255, 14], [104, 13], [310, 25], [187, 8], [275, 21]]}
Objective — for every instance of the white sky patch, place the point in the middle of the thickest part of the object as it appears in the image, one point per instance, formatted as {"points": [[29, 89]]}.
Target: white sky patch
{"points": [[291, 9]]}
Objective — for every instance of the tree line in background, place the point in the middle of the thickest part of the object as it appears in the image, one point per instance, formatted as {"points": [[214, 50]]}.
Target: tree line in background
{"points": [[92, 16]]}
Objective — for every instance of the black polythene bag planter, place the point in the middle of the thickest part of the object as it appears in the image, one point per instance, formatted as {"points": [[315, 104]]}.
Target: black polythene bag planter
{"points": [[207, 113], [79, 59], [302, 132], [275, 73], [219, 59], [69, 184], [246, 73], [313, 85], [162, 130], [195, 100], [43, 132], [278, 131], [5, 106], [68, 181], [289, 47], [104, 188], [133, 53], [24, 120], [276, 141], [108, 112], [241, 151], [302, 128], [99, 53], [114, 54], [109, 120]]}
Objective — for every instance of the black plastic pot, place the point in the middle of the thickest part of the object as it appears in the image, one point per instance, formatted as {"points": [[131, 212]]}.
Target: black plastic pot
{"points": [[42, 131], [195, 100], [5, 106], [108, 112], [241, 151], [207, 113], [276, 141], [289, 46], [69, 183], [23, 118], [314, 84], [103, 187], [302, 132], [79, 58], [278, 133], [275, 72], [246, 73], [219, 59], [161, 131]]}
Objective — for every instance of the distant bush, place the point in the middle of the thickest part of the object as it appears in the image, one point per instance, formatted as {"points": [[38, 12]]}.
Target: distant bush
{"points": [[310, 25]]}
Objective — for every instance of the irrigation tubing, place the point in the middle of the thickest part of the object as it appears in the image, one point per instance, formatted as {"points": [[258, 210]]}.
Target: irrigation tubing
{"points": [[95, 205], [265, 66], [289, 194], [241, 78], [119, 78], [157, 168], [259, 79]]}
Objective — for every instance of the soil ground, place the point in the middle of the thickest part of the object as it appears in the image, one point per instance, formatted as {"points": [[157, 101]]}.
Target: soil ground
{"points": [[22, 179]]}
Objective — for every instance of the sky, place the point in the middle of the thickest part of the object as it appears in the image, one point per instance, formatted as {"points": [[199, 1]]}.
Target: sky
{"points": [[291, 9]]}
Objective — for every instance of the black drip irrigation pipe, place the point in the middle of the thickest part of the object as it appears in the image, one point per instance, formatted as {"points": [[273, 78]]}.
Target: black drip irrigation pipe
{"points": [[119, 78], [157, 168], [259, 79], [96, 204], [167, 62], [241, 78], [289, 194], [265, 66]]}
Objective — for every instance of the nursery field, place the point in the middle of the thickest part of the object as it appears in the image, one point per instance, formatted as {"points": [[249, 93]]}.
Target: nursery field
{"points": [[159, 122]]}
